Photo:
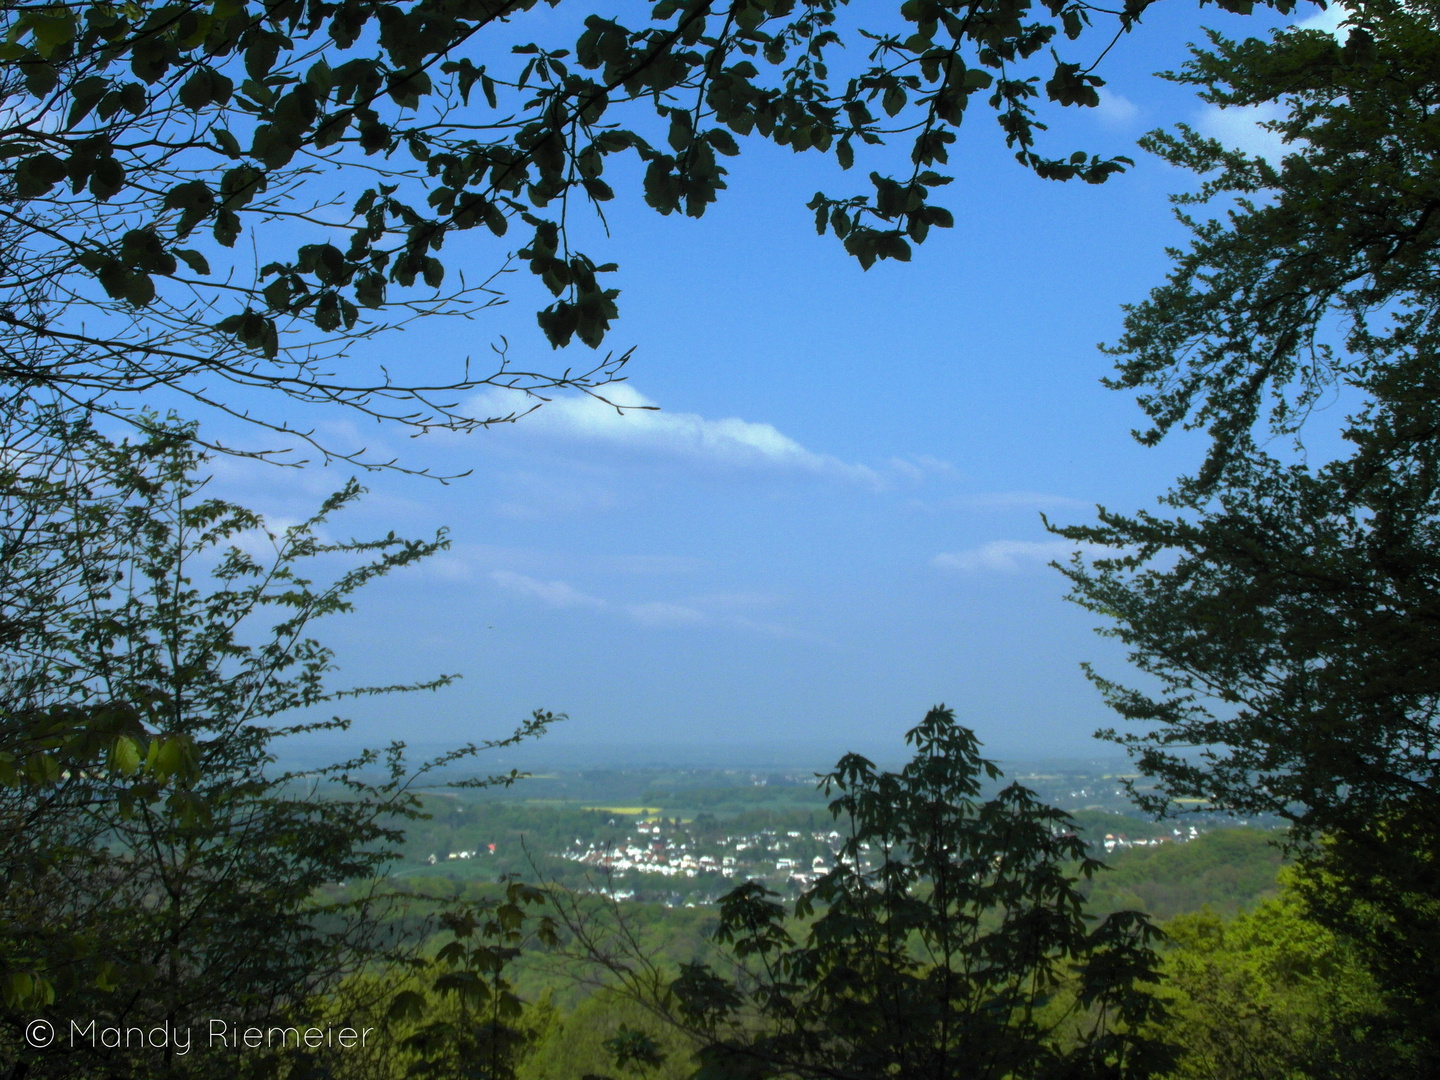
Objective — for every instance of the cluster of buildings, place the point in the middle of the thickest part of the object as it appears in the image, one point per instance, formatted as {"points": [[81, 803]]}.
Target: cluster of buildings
{"points": [[1120, 840], [793, 857], [433, 859]]}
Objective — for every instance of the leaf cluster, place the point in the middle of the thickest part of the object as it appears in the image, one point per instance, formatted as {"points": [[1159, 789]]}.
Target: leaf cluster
{"points": [[1273, 993], [1282, 606], [145, 139], [483, 1034]]}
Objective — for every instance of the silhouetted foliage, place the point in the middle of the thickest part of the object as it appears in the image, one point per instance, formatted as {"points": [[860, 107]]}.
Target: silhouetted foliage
{"points": [[948, 941], [158, 867], [1285, 608], [217, 198]]}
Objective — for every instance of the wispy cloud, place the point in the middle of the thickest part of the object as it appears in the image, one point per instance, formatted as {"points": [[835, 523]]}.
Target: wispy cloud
{"points": [[661, 614], [1019, 500], [717, 610], [631, 420], [1012, 556], [542, 496], [557, 594], [1328, 20], [1242, 127], [734, 601], [1000, 502], [652, 565], [1116, 110], [711, 611], [918, 466], [265, 543]]}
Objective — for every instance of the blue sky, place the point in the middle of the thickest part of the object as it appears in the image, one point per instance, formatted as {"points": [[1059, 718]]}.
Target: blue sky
{"points": [[833, 520]]}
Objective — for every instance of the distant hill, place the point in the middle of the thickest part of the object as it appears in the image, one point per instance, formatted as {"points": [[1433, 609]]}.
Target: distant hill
{"points": [[1225, 870]]}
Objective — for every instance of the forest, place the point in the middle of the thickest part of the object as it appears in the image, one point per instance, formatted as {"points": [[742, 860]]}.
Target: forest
{"points": [[1255, 896]]}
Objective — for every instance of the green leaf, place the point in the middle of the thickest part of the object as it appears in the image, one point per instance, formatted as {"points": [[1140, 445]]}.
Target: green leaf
{"points": [[40, 78], [241, 184], [108, 179], [195, 94], [263, 51], [406, 1006], [229, 144], [598, 189], [327, 312], [374, 136], [53, 31], [194, 260], [139, 289], [680, 130], [227, 227], [558, 322], [85, 95], [406, 90], [36, 175], [370, 290], [893, 100], [320, 78], [722, 141], [107, 976], [125, 756], [133, 98]]}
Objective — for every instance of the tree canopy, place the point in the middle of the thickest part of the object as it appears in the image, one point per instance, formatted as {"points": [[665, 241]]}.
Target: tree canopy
{"points": [[1272, 994], [155, 644], [1289, 622], [214, 197], [949, 940], [1284, 605]]}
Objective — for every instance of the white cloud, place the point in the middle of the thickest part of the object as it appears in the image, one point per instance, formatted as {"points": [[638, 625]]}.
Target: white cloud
{"points": [[1239, 127], [991, 502], [447, 567], [1019, 500], [1328, 20], [712, 611], [264, 544], [722, 610], [735, 601], [659, 614], [1116, 110], [653, 565], [716, 610], [554, 593], [540, 496], [1012, 556], [917, 467], [907, 469], [632, 420]]}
